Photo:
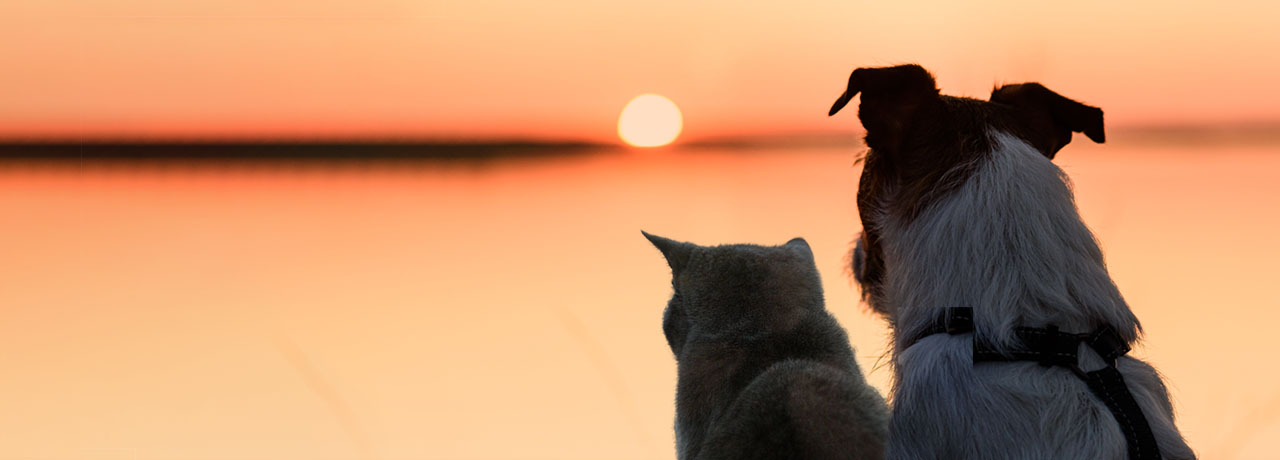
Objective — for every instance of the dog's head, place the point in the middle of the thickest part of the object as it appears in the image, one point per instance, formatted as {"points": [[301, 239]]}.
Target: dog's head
{"points": [[924, 145]]}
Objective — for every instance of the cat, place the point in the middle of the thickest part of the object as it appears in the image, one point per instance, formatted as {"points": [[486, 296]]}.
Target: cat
{"points": [[764, 371]]}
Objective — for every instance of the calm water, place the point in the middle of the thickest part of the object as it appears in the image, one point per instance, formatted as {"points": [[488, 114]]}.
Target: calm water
{"points": [[513, 310]]}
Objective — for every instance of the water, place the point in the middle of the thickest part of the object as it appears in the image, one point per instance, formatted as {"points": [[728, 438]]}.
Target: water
{"points": [[512, 309]]}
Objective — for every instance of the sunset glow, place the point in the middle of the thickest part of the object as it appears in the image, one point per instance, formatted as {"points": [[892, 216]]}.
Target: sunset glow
{"points": [[397, 229], [502, 69], [650, 120]]}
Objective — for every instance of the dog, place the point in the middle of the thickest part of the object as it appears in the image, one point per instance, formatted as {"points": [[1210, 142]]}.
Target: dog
{"points": [[961, 206], [764, 371]]}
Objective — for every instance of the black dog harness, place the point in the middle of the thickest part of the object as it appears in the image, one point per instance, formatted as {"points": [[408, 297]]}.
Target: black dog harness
{"points": [[1049, 347]]}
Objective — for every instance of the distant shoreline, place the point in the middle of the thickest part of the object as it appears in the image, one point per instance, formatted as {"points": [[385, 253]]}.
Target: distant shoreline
{"points": [[271, 150], [362, 150]]}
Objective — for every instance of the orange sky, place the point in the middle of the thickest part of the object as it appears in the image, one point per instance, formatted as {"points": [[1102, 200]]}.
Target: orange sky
{"points": [[564, 69]]}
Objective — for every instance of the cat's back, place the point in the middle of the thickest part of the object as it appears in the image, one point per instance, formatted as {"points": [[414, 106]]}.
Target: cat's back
{"points": [[763, 370], [801, 409]]}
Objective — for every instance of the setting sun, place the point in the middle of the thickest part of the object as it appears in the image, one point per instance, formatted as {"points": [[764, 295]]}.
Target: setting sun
{"points": [[649, 120]]}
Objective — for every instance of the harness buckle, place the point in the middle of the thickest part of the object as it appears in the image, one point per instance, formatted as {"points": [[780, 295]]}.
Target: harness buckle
{"points": [[959, 320], [1052, 348], [1108, 344]]}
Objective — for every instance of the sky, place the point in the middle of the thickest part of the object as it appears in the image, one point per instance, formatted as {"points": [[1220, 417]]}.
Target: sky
{"points": [[563, 70]]}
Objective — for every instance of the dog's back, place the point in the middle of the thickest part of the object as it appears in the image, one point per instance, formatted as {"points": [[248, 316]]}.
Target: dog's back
{"points": [[962, 207], [938, 378], [764, 371]]}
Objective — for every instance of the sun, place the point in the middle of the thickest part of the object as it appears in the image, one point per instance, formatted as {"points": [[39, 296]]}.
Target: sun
{"points": [[649, 120]]}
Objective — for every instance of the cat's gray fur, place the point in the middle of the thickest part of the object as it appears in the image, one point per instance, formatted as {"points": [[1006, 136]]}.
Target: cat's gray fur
{"points": [[764, 371]]}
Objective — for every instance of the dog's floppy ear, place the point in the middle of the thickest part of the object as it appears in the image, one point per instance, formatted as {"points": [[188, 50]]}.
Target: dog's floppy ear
{"points": [[1051, 117], [890, 95]]}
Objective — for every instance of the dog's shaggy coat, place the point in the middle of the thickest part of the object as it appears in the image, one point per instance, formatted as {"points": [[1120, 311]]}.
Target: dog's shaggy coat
{"points": [[962, 207], [764, 371]]}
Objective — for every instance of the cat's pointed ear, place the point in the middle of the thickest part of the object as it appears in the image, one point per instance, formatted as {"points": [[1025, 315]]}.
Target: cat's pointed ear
{"points": [[676, 252], [800, 245]]}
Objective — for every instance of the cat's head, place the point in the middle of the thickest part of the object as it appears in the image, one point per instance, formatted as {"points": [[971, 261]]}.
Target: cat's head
{"points": [[730, 292]]}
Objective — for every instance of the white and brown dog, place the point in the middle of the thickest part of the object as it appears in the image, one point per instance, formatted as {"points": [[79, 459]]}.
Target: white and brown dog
{"points": [[1009, 335]]}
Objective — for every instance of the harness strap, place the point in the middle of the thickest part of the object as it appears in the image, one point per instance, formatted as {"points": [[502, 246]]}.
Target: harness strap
{"points": [[1050, 347], [1108, 385], [1046, 346]]}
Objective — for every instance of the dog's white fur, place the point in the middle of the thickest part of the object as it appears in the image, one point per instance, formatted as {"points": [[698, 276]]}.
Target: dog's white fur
{"points": [[1010, 243]]}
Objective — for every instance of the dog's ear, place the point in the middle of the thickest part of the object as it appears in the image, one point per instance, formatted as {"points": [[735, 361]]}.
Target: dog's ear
{"points": [[890, 96], [1051, 117]]}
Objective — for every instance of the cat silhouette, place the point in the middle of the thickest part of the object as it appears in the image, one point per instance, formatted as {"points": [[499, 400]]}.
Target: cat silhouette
{"points": [[764, 371]]}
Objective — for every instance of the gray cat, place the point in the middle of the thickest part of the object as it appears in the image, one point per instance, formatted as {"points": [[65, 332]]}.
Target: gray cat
{"points": [[764, 371]]}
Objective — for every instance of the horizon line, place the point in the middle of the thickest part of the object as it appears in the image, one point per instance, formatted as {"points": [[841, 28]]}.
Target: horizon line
{"points": [[463, 148]]}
